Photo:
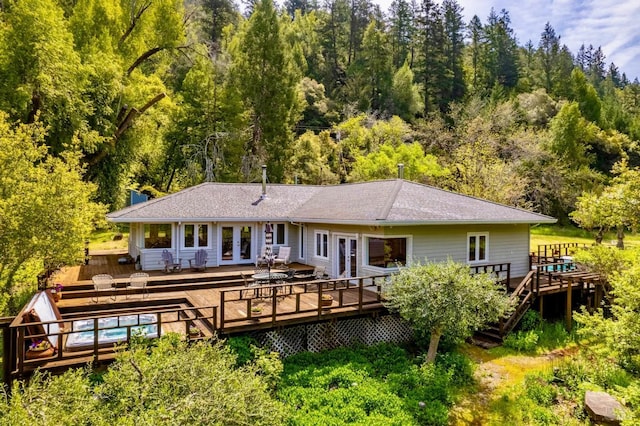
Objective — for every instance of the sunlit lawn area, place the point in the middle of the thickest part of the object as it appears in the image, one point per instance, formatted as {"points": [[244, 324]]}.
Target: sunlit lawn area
{"points": [[544, 234], [105, 239]]}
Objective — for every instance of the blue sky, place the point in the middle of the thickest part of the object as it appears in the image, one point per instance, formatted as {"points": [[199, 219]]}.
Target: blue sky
{"points": [[612, 24]]}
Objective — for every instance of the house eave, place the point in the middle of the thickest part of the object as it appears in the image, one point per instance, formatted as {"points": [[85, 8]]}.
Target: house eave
{"points": [[356, 222]]}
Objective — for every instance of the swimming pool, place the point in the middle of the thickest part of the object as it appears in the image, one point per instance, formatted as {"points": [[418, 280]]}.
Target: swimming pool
{"points": [[111, 330]]}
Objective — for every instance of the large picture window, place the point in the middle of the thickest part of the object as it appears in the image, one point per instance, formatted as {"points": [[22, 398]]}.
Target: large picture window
{"points": [[196, 236], [386, 252], [322, 244], [157, 235], [477, 247]]}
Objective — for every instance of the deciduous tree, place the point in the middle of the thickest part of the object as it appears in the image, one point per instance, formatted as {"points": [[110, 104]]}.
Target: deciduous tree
{"points": [[444, 299]]}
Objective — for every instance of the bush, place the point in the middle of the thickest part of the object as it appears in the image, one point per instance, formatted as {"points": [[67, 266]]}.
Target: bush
{"points": [[531, 320], [243, 348], [459, 365], [378, 385], [538, 389], [522, 341]]}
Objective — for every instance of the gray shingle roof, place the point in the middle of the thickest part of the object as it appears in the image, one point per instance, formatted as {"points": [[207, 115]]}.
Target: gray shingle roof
{"points": [[378, 202]]}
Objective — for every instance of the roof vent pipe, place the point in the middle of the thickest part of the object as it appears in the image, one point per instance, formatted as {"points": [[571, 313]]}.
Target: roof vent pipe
{"points": [[400, 171], [264, 182]]}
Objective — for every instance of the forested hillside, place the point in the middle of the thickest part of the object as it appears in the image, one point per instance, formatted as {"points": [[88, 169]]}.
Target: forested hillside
{"points": [[162, 94]]}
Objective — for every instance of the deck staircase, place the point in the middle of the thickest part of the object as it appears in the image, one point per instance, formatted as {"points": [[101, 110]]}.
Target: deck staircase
{"points": [[521, 298]]}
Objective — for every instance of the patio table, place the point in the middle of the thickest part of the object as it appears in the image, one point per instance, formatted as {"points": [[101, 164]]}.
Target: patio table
{"points": [[266, 276], [263, 278]]}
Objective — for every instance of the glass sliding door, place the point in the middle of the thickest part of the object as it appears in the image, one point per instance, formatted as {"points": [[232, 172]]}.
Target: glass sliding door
{"points": [[236, 244]]}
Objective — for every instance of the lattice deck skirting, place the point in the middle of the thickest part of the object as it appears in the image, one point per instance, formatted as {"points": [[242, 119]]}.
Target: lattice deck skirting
{"points": [[337, 333]]}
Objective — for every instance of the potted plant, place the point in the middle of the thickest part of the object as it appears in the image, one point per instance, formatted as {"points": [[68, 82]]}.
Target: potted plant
{"points": [[56, 292], [194, 331], [256, 310], [327, 300]]}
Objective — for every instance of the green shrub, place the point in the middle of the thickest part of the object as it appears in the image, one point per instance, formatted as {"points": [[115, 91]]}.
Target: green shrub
{"points": [[242, 347], [460, 366], [379, 385], [531, 320], [538, 389], [522, 341]]}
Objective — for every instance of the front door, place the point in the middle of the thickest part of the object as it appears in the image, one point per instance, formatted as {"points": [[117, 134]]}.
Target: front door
{"points": [[347, 257], [236, 244]]}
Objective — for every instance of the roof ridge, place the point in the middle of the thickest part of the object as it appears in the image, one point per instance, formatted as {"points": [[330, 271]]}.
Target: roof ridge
{"points": [[384, 212]]}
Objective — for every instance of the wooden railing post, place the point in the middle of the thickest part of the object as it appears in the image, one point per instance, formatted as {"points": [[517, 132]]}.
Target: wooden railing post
{"points": [[360, 293], [274, 304], [95, 339], [222, 293]]}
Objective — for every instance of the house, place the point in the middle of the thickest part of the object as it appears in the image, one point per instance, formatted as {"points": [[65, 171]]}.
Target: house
{"points": [[352, 229]]}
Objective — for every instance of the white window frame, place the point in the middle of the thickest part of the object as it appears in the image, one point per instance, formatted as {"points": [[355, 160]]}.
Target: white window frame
{"points": [[302, 239], [477, 251], [365, 250], [316, 234], [285, 238], [196, 232]]}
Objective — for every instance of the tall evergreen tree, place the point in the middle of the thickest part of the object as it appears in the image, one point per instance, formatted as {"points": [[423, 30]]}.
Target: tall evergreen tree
{"points": [[500, 59], [431, 69], [376, 67], [476, 47], [266, 78], [453, 49], [402, 29], [547, 54]]}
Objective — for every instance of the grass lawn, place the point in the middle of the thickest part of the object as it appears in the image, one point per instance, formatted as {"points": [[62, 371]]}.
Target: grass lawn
{"points": [[103, 239], [554, 234]]}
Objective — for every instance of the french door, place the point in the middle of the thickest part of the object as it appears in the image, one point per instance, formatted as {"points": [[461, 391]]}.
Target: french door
{"points": [[236, 244], [347, 251]]}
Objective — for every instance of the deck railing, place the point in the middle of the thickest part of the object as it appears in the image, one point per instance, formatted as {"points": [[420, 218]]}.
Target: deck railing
{"points": [[175, 318], [501, 271], [550, 253], [291, 299]]}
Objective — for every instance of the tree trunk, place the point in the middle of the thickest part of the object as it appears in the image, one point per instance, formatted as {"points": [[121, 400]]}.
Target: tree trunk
{"points": [[599, 236], [433, 345], [620, 235]]}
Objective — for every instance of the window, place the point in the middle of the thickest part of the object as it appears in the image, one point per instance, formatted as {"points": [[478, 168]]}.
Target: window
{"points": [[157, 235], [279, 234], [196, 236], [301, 231], [322, 244], [477, 247], [387, 252]]}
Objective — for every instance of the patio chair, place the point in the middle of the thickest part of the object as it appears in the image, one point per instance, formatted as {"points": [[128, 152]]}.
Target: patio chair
{"points": [[199, 263], [319, 272], [103, 283], [260, 259], [169, 264], [283, 255], [138, 281]]}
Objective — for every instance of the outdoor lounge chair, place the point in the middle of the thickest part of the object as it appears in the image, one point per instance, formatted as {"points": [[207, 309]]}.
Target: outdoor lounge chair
{"points": [[283, 255], [199, 263], [103, 283], [138, 281], [169, 264], [317, 274], [260, 259]]}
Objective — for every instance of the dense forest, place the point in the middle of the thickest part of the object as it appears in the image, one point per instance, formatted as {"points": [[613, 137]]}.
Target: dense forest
{"points": [[157, 95]]}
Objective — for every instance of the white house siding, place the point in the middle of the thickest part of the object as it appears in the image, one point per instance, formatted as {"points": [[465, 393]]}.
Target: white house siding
{"points": [[151, 259], [507, 243]]}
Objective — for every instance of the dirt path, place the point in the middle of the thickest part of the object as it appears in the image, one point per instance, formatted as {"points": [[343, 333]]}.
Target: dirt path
{"points": [[493, 375]]}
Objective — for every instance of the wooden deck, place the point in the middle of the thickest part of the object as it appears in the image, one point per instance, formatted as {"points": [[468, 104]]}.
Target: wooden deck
{"points": [[216, 302]]}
